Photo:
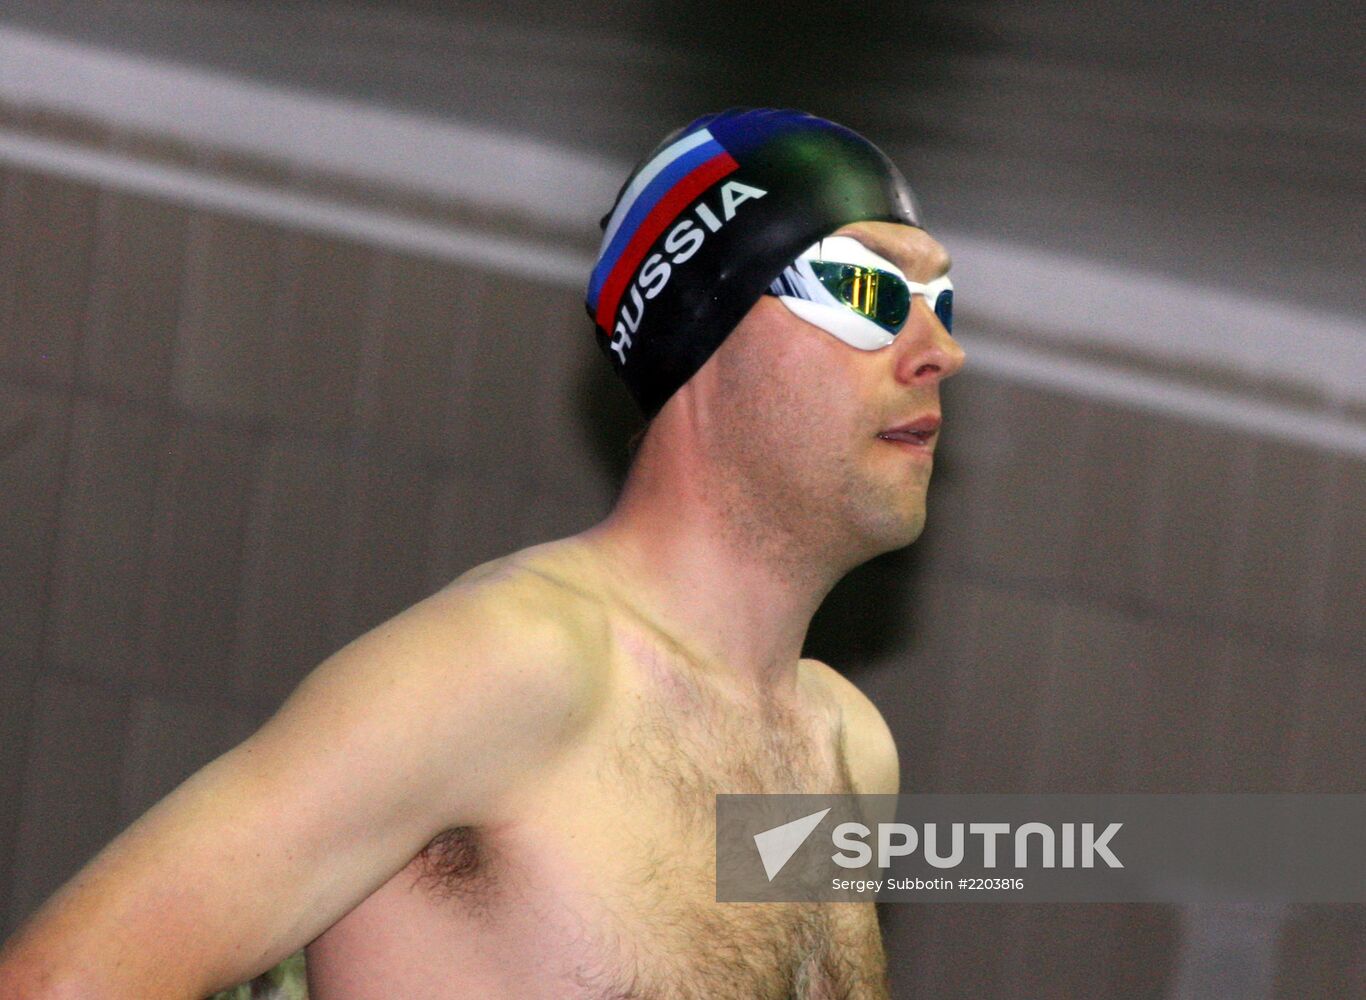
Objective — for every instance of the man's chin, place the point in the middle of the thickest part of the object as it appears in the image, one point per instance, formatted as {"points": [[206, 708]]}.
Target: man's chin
{"points": [[891, 530], [910, 533]]}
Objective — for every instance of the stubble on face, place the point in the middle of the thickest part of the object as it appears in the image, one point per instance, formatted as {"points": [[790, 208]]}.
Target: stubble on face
{"points": [[803, 478]]}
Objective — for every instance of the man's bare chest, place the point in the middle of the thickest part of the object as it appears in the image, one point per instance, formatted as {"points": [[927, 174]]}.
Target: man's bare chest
{"points": [[613, 872]]}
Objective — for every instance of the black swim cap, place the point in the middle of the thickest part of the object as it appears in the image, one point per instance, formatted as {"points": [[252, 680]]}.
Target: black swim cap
{"points": [[706, 222]]}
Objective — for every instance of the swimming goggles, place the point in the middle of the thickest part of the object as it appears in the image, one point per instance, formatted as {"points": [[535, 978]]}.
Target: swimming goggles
{"points": [[844, 288]]}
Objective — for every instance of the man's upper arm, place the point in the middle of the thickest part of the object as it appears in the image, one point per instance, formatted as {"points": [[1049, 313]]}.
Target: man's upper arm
{"points": [[869, 746], [426, 722]]}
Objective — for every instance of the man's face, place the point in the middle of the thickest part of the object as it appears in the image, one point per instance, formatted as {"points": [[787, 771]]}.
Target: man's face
{"points": [[835, 442]]}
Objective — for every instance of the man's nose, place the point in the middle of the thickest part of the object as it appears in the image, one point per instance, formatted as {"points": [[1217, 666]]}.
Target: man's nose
{"points": [[924, 349]]}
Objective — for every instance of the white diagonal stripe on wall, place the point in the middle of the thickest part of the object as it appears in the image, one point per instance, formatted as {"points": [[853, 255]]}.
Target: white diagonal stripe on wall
{"points": [[205, 190], [405, 150]]}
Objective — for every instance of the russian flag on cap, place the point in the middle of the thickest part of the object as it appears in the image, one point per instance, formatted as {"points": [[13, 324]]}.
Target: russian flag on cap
{"points": [[656, 196]]}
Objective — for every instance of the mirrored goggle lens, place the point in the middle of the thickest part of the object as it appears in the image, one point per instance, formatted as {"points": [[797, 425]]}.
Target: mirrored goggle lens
{"points": [[874, 294], [943, 306]]}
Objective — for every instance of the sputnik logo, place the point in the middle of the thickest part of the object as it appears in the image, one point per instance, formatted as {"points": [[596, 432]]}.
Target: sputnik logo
{"points": [[776, 846]]}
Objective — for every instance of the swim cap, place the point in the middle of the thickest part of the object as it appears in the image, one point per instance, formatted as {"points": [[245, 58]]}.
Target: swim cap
{"points": [[707, 221]]}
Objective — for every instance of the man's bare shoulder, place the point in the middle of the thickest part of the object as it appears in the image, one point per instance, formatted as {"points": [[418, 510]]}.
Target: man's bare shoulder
{"points": [[498, 672], [525, 617], [546, 593], [868, 742]]}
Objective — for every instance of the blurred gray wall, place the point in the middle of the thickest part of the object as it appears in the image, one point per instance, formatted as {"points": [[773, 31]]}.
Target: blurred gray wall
{"points": [[230, 441]]}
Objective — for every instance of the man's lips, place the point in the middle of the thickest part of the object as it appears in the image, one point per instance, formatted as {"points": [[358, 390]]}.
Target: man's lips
{"points": [[920, 432]]}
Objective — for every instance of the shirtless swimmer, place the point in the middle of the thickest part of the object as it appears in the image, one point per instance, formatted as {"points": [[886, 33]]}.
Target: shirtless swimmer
{"points": [[508, 789]]}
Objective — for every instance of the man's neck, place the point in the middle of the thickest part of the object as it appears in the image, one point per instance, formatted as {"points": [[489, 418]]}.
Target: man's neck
{"points": [[742, 603]]}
